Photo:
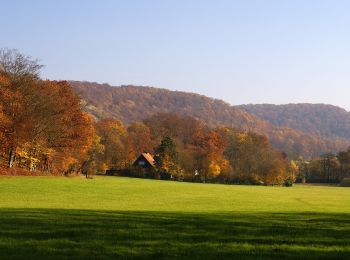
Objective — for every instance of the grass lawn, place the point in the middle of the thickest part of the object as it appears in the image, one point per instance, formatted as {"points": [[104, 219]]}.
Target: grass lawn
{"points": [[111, 217]]}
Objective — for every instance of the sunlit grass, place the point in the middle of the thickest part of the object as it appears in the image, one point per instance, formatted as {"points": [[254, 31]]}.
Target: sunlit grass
{"points": [[112, 217]]}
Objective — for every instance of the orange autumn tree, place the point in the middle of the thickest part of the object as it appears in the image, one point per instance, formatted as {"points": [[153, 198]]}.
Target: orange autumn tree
{"points": [[138, 141], [216, 146], [4, 121], [93, 162], [63, 126], [209, 148], [45, 127], [18, 78], [253, 159], [113, 135]]}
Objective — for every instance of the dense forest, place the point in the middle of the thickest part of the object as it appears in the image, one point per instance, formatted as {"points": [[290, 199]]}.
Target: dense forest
{"points": [[315, 119], [130, 104], [45, 130]]}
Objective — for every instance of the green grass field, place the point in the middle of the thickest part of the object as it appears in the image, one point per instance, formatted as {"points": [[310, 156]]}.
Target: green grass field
{"points": [[111, 217]]}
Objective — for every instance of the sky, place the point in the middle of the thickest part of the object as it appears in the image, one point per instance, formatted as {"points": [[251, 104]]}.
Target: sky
{"points": [[248, 51]]}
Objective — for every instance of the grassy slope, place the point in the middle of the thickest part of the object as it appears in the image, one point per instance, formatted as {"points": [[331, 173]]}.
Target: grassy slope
{"points": [[111, 217]]}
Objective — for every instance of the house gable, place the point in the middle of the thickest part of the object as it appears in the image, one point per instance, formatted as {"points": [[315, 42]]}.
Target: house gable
{"points": [[145, 160]]}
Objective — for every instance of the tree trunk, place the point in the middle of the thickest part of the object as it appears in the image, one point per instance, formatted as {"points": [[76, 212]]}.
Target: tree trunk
{"points": [[12, 158]]}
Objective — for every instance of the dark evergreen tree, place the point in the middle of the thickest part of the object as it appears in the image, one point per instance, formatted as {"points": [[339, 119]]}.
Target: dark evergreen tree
{"points": [[166, 159]]}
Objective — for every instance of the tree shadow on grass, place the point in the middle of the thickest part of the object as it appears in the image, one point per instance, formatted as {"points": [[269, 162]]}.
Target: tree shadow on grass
{"points": [[63, 233]]}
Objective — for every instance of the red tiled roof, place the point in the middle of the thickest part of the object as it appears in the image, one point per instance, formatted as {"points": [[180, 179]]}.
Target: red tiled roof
{"points": [[149, 158]]}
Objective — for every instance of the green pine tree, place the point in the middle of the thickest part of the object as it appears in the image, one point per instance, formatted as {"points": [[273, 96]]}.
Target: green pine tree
{"points": [[166, 159]]}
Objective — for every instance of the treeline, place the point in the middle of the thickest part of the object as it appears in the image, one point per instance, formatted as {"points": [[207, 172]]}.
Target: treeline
{"points": [[185, 149], [188, 147], [43, 129], [328, 168]]}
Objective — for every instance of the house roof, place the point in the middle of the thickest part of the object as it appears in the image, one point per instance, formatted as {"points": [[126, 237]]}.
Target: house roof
{"points": [[149, 158]]}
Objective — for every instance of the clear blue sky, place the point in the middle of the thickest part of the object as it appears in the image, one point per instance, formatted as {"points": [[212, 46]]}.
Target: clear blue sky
{"points": [[241, 51]]}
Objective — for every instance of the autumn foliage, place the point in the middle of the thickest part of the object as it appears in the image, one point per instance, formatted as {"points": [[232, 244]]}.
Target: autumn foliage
{"points": [[42, 124], [218, 154], [44, 130], [298, 130]]}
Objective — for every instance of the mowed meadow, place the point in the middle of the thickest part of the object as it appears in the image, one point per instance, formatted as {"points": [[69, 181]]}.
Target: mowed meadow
{"points": [[116, 217]]}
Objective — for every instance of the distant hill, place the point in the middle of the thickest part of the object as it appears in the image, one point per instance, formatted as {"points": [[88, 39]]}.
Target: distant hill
{"points": [[133, 103], [320, 119]]}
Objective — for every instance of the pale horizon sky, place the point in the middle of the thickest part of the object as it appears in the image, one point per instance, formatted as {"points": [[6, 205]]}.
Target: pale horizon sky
{"points": [[248, 51]]}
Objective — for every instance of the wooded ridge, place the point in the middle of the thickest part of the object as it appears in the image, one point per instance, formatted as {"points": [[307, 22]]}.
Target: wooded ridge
{"points": [[299, 130]]}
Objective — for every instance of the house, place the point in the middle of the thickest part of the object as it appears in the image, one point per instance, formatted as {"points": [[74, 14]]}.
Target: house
{"points": [[143, 167], [145, 160]]}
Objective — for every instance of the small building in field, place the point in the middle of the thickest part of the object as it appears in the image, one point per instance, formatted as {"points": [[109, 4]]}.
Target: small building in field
{"points": [[145, 160], [143, 167]]}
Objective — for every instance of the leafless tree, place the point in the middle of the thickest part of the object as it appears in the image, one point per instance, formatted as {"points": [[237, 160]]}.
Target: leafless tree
{"points": [[15, 63]]}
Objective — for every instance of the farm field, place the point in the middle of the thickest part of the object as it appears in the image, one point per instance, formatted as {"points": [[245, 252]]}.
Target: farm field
{"points": [[111, 217]]}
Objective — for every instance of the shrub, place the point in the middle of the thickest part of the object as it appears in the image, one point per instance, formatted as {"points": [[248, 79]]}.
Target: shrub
{"points": [[288, 183], [345, 182]]}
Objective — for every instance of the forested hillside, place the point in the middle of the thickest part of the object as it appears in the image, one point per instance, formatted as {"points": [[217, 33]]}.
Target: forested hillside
{"points": [[44, 130], [321, 119], [132, 103]]}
